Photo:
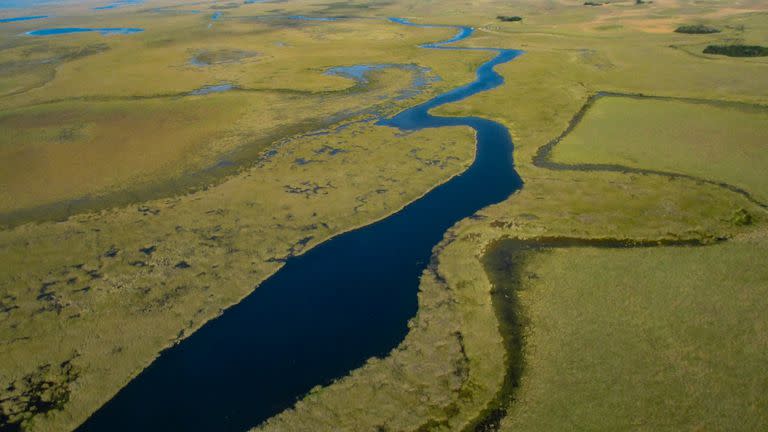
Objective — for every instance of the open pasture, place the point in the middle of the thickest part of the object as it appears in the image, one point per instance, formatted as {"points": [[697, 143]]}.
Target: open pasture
{"points": [[722, 142], [664, 339]]}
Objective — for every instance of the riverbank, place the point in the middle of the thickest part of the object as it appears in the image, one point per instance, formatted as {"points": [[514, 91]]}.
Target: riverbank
{"points": [[220, 246], [100, 282], [588, 205], [374, 319], [72, 152]]}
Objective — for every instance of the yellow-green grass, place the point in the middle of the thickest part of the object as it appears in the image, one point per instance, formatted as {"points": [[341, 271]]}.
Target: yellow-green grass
{"points": [[108, 314], [68, 150], [565, 62], [231, 229], [453, 361], [722, 142], [125, 150], [545, 88], [662, 339], [65, 296], [129, 134], [288, 54]]}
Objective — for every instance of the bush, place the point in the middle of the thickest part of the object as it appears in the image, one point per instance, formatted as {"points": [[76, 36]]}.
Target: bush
{"points": [[592, 3], [507, 18], [737, 50], [741, 218], [697, 29]]}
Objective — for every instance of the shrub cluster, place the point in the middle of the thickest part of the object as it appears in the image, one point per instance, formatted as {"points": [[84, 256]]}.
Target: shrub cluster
{"points": [[737, 50], [507, 18], [697, 29]]}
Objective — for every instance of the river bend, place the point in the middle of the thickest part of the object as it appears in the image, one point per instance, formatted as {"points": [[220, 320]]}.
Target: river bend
{"points": [[324, 313]]}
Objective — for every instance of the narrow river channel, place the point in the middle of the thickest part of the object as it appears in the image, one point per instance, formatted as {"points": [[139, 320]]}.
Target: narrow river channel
{"points": [[327, 311]]}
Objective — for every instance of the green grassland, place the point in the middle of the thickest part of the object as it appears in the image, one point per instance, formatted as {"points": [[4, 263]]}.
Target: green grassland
{"points": [[285, 54], [572, 53], [99, 309], [112, 138], [116, 151], [662, 339], [721, 142], [424, 373], [108, 295]]}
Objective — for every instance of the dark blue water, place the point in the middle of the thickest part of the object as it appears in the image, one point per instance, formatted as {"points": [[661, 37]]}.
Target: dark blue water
{"points": [[23, 18], [325, 312], [70, 30]]}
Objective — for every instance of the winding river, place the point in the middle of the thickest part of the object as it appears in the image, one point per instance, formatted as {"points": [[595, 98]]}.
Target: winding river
{"points": [[324, 313]]}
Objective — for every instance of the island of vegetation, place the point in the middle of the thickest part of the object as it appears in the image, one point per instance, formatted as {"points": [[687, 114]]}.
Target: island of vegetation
{"points": [[697, 29], [737, 50]]}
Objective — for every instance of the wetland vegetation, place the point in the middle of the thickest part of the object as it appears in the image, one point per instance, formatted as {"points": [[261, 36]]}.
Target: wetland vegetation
{"points": [[621, 288], [697, 29], [509, 18], [737, 50]]}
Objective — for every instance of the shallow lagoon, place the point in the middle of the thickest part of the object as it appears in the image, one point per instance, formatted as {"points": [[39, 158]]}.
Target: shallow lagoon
{"points": [[71, 30], [309, 18], [24, 4], [218, 88], [23, 18], [118, 4], [422, 76]]}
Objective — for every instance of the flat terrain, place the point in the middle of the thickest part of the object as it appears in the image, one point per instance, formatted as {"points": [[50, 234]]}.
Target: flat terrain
{"points": [[572, 53], [724, 142], [669, 338], [83, 138], [134, 210]]}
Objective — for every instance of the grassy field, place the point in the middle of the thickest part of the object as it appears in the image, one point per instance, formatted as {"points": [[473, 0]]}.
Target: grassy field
{"points": [[589, 206], [117, 151], [662, 339], [86, 303], [138, 133], [111, 299], [725, 143], [72, 149], [571, 53]]}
